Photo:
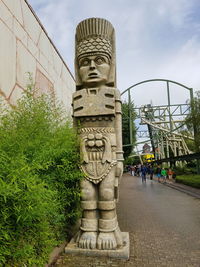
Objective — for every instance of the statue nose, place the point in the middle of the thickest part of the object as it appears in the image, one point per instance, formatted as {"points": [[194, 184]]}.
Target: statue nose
{"points": [[92, 65]]}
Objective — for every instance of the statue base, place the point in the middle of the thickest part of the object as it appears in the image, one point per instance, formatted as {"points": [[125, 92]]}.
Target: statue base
{"points": [[121, 253]]}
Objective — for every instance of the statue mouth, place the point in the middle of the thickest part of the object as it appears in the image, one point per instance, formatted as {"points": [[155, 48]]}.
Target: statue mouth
{"points": [[93, 75]]}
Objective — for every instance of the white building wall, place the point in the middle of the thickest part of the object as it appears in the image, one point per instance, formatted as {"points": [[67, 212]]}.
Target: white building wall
{"points": [[25, 47]]}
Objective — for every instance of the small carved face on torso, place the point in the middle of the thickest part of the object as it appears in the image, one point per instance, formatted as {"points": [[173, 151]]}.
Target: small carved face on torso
{"points": [[94, 70]]}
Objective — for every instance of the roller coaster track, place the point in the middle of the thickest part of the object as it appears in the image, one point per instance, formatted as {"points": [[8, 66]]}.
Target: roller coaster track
{"points": [[154, 125], [163, 122]]}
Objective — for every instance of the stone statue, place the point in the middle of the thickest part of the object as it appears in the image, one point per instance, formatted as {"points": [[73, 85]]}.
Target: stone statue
{"points": [[97, 116]]}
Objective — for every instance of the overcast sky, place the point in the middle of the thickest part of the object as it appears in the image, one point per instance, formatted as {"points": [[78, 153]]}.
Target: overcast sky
{"points": [[154, 39]]}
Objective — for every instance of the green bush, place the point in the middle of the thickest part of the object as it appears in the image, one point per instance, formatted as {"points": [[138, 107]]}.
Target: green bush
{"points": [[191, 180], [39, 180], [184, 170]]}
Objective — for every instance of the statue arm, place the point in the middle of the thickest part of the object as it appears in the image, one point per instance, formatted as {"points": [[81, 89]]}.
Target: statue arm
{"points": [[118, 129]]}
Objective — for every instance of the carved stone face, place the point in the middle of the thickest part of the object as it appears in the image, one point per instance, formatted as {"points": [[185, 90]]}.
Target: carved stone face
{"points": [[94, 70]]}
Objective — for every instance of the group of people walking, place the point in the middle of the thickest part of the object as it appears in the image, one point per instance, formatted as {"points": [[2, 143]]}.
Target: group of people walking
{"points": [[164, 174], [143, 171]]}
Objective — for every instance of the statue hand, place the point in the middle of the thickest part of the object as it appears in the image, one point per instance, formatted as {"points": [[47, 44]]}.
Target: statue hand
{"points": [[119, 169]]}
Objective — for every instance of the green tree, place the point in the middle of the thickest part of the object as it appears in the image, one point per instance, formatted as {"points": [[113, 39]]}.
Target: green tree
{"points": [[127, 112], [193, 121]]}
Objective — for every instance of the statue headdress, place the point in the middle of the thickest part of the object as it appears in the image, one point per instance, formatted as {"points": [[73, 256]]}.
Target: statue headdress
{"points": [[93, 36]]}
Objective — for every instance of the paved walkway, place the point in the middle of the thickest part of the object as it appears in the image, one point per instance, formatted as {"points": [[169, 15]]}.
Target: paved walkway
{"points": [[164, 227], [195, 192]]}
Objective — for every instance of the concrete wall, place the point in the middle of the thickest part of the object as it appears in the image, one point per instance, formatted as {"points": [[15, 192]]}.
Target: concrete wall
{"points": [[26, 47]]}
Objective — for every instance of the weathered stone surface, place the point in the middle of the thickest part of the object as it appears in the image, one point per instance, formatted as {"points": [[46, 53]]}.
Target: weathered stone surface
{"points": [[16, 93], [8, 60], [6, 16], [121, 253], [15, 8], [26, 47], [20, 33], [94, 102], [24, 66], [31, 25], [97, 112], [43, 84]]}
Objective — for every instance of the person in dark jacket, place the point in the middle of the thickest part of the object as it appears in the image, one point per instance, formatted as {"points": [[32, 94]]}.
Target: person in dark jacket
{"points": [[143, 173], [158, 173], [151, 171]]}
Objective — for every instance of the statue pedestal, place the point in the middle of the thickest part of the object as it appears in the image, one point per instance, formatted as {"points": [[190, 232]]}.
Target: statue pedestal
{"points": [[121, 253]]}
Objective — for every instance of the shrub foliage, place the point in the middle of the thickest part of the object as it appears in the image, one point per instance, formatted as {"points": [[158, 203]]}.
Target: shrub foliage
{"points": [[192, 121], [128, 110], [39, 180], [191, 180]]}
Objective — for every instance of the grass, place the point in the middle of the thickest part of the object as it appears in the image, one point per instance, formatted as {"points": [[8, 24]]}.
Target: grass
{"points": [[189, 179]]}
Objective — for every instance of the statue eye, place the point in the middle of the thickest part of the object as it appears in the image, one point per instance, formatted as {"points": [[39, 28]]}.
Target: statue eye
{"points": [[100, 60], [84, 62]]}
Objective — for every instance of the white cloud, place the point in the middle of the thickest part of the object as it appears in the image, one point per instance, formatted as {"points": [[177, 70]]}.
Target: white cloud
{"points": [[185, 64], [155, 38]]}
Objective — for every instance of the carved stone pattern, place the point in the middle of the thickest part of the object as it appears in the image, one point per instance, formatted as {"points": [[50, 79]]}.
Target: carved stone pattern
{"points": [[94, 27], [97, 130], [113, 148], [90, 45], [96, 181], [98, 118], [97, 155]]}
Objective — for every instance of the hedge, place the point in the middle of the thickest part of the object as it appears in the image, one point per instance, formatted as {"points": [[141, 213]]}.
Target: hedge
{"points": [[191, 180], [39, 180]]}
